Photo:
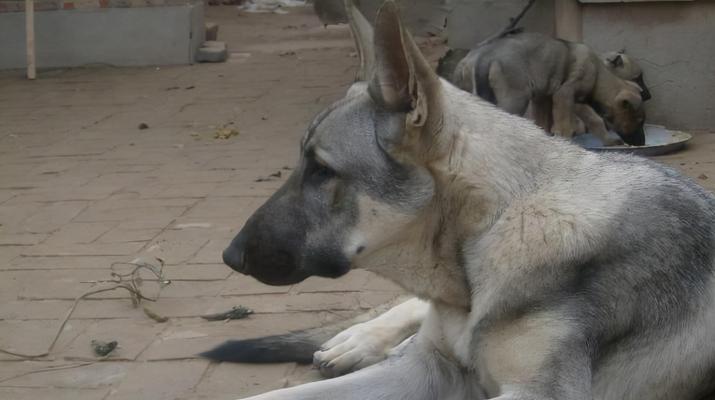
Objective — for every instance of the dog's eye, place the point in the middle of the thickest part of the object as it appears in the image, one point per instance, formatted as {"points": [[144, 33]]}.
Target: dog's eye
{"points": [[322, 171], [318, 171]]}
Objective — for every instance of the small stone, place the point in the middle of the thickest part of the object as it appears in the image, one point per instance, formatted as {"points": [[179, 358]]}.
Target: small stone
{"points": [[102, 349], [143, 126], [702, 177]]}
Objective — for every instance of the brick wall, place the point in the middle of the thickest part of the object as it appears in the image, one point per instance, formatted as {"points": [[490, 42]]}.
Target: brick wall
{"points": [[7, 6]]}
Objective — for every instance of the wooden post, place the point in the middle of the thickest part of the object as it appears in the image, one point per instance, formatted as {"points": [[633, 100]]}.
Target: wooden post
{"points": [[568, 20], [30, 38]]}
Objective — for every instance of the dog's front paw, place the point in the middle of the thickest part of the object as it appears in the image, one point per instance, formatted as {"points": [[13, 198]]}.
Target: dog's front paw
{"points": [[355, 348], [562, 132]]}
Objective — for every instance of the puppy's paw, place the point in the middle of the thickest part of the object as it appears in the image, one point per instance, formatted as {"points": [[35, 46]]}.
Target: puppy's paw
{"points": [[355, 348], [563, 132]]}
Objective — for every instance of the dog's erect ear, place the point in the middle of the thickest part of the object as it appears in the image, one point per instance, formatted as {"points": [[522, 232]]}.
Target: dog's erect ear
{"points": [[362, 35], [403, 80], [617, 60]]}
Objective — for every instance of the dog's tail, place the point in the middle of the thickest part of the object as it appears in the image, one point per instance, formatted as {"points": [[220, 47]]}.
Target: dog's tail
{"points": [[297, 346], [291, 347]]}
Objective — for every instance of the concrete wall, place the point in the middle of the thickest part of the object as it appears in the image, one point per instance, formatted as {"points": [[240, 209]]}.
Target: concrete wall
{"points": [[674, 42], [116, 36], [471, 21]]}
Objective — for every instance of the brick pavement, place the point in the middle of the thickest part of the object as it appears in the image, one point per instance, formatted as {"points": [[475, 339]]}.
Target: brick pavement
{"points": [[81, 187]]}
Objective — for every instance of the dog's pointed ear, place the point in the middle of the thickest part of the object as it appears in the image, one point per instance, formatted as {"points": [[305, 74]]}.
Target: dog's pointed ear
{"points": [[362, 33], [616, 60], [403, 80]]}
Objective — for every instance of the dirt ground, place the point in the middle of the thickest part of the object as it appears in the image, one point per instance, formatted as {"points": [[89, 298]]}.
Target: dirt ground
{"points": [[83, 188]]}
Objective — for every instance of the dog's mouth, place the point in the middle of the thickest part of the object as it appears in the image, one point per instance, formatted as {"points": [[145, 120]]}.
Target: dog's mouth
{"points": [[280, 272], [636, 138]]}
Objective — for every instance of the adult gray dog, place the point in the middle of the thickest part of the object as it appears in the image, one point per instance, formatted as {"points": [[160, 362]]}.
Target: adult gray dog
{"points": [[545, 271]]}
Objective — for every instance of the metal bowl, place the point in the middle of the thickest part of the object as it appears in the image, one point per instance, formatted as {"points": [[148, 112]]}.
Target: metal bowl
{"points": [[658, 141]]}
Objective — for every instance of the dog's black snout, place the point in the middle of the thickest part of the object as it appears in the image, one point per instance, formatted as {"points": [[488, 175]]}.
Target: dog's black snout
{"points": [[234, 255], [234, 259], [638, 138]]}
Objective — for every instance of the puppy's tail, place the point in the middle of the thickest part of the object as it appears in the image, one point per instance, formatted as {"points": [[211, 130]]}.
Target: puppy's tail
{"points": [[297, 346]]}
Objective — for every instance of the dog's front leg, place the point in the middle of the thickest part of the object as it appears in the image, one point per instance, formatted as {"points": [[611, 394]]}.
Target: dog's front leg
{"points": [[368, 343], [414, 371], [563, 110], [595, 124]]}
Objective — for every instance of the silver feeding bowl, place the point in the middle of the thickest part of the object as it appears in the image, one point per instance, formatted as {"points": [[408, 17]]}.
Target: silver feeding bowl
{"points": [[658, 141]]}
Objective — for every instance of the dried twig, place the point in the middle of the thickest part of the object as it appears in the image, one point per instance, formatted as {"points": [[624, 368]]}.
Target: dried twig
{"points": [[132, 286]]}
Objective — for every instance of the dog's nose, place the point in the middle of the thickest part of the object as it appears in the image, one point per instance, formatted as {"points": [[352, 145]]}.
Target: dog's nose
{"points": [[235, 254], [234, 259]]}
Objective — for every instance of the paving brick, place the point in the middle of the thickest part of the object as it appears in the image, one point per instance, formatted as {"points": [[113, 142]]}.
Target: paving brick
{"points": [[94, 249], [354, 281], [54, 284], [34, 337], [21, 239], [177, 246], [52, 216], [197, 272], [79, 233], [133, 337], [278, 303], [14, 393], [232, 381], [160, 380], [58, 375], [211, 252], [73, 192], [63, 262], [195, 190], [86, 309], [241, 285], [238, 209], [154, 216], [123, 235]]}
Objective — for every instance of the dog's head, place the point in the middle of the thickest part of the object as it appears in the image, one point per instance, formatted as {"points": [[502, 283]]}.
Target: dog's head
{"points": [[626, 115], [361, 180], [627, 68]]}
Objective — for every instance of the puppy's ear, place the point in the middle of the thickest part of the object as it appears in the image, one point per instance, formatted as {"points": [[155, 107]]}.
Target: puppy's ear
{"points": [[403, 80], [362, 33], [616, 61]]}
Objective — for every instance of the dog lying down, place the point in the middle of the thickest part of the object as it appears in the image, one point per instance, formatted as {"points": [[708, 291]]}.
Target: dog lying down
{"points": [[544, 271]]}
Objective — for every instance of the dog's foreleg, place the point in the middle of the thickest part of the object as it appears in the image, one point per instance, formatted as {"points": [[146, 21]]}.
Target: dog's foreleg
{"points": [[541, 108], [563, 109], [369, 342], [509, 95], [415, 371], [595, 124]]}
